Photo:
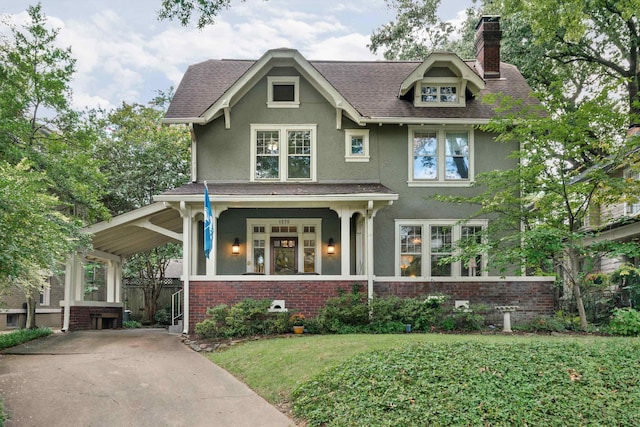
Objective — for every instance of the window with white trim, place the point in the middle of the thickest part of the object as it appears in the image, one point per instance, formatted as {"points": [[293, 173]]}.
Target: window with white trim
{"points": [[439, 92], [423, 244], [283, 91], [283, 152], [356, 145], [632, 208], [440, 155]]}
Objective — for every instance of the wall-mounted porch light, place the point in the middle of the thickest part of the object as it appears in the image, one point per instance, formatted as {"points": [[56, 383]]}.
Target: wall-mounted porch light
{"points": [[235, 249], [331, 247]]}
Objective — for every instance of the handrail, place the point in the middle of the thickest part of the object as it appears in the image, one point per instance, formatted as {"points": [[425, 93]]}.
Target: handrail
{"points": [[176, 306]]}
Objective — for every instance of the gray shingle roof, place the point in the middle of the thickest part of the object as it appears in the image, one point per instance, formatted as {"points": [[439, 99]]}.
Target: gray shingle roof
{"points": [[371, 87]]}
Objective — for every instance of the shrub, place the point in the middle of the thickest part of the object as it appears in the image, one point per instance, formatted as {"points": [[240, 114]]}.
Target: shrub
{"points": [[349, 309], [162, 316], [131, 324], [246, 318], [625, 321]]}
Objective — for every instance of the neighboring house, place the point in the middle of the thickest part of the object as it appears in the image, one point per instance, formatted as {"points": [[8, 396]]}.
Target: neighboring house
{"points": [[13, 310], [320, 175], [617, 222]]}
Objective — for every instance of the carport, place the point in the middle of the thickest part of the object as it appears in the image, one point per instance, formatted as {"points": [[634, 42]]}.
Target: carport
{"points": [[137, 231]]}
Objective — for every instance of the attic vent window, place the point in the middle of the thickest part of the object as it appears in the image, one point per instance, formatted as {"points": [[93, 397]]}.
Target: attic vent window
{"points": [[283, 92], [440, 92]]}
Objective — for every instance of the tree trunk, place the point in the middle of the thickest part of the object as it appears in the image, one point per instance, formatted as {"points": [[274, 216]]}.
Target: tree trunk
{"points": [[31, 313], [583, 315]]}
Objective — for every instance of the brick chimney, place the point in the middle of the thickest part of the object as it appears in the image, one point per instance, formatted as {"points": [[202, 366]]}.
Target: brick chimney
{"points": [[487, 45]]}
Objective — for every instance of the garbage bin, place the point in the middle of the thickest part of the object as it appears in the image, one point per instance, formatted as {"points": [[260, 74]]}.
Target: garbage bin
{"points": [[126, 316]]}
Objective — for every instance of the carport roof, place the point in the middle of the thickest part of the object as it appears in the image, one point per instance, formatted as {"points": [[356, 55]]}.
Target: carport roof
{"points": [[137, 231]]}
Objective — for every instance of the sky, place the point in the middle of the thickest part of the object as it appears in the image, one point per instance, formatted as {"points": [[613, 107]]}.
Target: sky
{"points": [[125, 54]]}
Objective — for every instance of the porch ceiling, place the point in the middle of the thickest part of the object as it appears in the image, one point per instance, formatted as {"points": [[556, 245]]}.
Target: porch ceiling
{"points": [[136, 231]]}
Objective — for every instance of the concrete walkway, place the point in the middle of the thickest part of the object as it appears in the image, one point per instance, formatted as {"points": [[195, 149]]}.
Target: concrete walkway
{"points": [[135, 377]]}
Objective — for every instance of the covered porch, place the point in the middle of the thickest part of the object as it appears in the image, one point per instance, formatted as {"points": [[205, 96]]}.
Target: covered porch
{"points": [[298, 242]]}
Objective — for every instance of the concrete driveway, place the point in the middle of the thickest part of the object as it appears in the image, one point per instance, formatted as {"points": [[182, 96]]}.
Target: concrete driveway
{"points": [[134, 377]]}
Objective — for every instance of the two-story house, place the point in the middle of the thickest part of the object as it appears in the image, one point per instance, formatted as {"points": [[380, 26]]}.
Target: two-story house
{"points": [[320, 176]]}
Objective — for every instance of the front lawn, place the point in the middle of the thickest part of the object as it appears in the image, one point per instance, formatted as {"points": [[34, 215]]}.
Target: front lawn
{"points": [[432, 379]]}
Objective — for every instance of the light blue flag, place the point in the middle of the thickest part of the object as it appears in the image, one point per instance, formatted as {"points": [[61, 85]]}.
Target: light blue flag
{"points": [[208, 223]]}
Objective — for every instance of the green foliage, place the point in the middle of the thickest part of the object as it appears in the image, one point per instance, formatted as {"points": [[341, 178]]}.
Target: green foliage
{"points": [[183, 10], [246, 318], [35, 236], [470, 383], [131, 324], [162, 316], [625, 321], [21, 336], [559, 322], [347, 310]]}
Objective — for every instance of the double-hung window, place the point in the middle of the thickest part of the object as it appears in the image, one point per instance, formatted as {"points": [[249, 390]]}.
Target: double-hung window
{"points": [[283, 152], [424, 245], [440, 156]]}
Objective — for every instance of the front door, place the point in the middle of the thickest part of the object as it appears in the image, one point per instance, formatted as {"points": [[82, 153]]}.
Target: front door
{"points": [[284, 255]]}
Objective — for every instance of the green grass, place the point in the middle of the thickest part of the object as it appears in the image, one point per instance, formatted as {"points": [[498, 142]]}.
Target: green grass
{"points": [[444, 379], [20, 336]]}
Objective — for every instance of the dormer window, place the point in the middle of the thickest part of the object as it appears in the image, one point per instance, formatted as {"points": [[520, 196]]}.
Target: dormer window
{"points": [[283, 92], [439, 92]]}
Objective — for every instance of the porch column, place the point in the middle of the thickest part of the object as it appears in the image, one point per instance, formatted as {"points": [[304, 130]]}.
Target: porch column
{"points": [[369, 250], [111, 282], [213, 255], [345, 251], [78, 279], [117, 271], [187, 229], [69, 291]]}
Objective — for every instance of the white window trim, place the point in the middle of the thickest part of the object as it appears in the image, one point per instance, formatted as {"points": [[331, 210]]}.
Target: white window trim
{"points": [[268, 223], [348, 155], [631, 209], [459, 84], [283, 151], [441, 181], [456, 226], [45, 291], [294, 80]]}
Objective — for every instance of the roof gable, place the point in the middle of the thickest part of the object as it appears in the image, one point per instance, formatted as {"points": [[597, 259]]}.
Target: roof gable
{"points": [[446, 61]]}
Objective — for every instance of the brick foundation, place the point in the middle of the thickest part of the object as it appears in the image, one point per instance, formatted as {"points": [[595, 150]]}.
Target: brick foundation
{"points": [[533, 298], [80, 318]]}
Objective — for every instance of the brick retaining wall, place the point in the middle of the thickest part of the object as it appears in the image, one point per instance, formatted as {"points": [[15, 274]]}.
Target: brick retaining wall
{"points": [[534, 298]]}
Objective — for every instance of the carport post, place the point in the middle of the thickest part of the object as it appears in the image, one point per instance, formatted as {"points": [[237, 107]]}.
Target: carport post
{"points": [[187, 225]]}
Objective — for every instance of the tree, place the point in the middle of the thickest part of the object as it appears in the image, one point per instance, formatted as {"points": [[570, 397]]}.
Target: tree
{"points": [[542, 204], [601, 35], [35, 236], [37, 121], [143, 158], [183, 10], [50, 176]]}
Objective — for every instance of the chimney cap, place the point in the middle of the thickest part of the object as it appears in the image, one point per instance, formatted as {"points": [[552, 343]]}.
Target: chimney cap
{"points": [[487, 18]]}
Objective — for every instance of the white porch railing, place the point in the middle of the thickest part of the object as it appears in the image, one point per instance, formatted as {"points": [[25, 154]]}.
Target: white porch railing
{"points": [[176, 307]]}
